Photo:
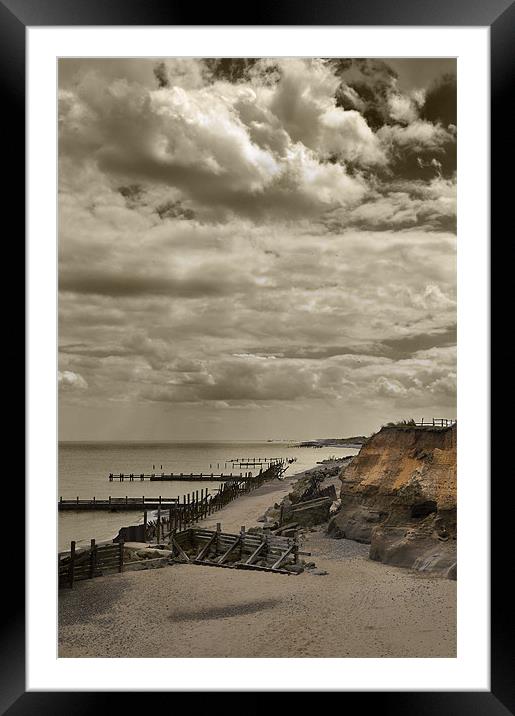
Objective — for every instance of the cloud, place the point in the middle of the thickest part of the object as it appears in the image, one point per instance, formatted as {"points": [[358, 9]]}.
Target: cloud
{"points": [[418, 136], [351, 378], [402, 108], [304, 101], [430, 205], [254, 233], [232, 146], [336, 307], [68, 380]]}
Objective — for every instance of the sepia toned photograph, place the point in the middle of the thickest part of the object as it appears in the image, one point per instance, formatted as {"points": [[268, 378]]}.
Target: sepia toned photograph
{"points": [[257, 357]]}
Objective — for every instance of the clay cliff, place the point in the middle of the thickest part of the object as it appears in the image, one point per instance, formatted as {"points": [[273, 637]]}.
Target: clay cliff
{"points": [[399, 495]]}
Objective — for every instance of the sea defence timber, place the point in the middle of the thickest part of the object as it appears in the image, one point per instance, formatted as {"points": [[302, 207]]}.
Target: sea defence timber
{"points": [[263, 464], [177, 477], [233, 486], [120, 503]]}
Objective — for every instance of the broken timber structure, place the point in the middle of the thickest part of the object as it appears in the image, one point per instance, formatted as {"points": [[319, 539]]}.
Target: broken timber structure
{"points": [[268, 553]]}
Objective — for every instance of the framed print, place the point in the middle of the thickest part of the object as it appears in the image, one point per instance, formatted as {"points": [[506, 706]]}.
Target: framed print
{"points": [[257, 364]]}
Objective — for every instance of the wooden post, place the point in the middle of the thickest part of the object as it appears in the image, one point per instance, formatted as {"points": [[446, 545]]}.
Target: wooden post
{"points": [[72, 563], [158, 527], [120, 556], [92, 559], [217, 538], [144, 525]]}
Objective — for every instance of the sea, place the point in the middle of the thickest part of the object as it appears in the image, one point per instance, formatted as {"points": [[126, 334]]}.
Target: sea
{"points": [[84, 469]]}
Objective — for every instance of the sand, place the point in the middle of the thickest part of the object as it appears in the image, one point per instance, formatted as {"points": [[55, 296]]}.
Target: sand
{"points": [[360, 608]]}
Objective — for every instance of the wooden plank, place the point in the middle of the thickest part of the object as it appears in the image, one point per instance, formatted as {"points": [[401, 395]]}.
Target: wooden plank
{"points": [[106, 558], [177, 546], [206, 548], [256, 553], [112, 564], [228, 551], [211, 563], [310, 503], [72, 563], [244, 565], [283, 557]]}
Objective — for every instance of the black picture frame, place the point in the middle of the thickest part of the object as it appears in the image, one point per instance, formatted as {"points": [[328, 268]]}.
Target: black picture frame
{"points": [[499, 16]]}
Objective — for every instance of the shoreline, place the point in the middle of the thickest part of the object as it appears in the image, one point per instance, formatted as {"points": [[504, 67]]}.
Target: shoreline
{"points": [[349, 606]]}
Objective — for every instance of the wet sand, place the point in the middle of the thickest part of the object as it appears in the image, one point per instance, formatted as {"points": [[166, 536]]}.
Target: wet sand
{"points": [[359, 608]]}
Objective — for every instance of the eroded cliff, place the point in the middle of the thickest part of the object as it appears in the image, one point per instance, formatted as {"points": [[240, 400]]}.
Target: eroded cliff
{"points": [[399, 494]]}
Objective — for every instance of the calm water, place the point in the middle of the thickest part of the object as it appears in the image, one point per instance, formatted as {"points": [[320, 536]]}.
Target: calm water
{"points": [[84, 470]]}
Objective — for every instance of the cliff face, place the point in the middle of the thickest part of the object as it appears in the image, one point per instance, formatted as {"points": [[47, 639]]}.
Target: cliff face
{"points": [[399, 494]]}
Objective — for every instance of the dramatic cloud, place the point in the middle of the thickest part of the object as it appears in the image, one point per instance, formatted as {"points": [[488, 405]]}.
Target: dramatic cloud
{"points": [[238, 234]]}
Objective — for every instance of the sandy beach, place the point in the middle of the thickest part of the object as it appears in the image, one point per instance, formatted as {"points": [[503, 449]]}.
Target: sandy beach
{"points": [[349, 606]]}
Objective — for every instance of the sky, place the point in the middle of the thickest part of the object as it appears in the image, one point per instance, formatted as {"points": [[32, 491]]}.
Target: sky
{"points": [[255, 248]]}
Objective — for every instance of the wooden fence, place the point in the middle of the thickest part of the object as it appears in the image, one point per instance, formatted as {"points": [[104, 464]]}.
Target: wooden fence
{"points": [[171, 519], [436, 423], [176, 477], [90, 562], [116, 503], [193, 508], [235, 551]]}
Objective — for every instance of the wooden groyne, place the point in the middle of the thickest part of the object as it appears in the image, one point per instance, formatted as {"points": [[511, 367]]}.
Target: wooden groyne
{"points": [[120, 503], [259, 461], [245, 550], [173, 517], [197, 502], [177, 477], [236, 463], [90, 562]]}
